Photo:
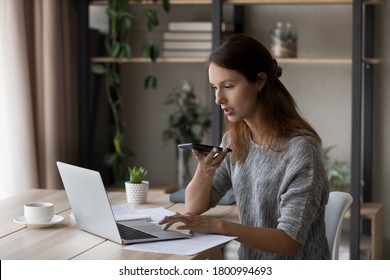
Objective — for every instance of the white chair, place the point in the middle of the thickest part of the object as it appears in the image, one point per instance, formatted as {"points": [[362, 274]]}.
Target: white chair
{"points": [[338, 204]]}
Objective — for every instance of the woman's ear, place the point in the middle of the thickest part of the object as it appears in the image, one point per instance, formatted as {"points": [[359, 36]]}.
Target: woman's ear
{"points": [[261, 80]]}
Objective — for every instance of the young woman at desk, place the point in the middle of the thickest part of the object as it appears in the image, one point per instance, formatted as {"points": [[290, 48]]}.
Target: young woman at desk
{"points": [[275, 168]]}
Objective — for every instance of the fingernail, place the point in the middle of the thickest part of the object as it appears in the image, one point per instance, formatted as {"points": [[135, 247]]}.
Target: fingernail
{"points": [[215, 150], [224, 150]]}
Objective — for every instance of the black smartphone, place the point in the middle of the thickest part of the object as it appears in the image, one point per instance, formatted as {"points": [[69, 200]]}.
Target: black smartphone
{"points": [[200, 147]]}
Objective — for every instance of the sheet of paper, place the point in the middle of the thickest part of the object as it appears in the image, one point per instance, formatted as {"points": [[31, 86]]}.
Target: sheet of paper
{"points": [[156, 214], [190, 246], [127, 211]]}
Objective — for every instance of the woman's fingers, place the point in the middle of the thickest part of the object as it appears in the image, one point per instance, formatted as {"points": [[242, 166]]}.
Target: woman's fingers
{"points": [[168, 221], [211, 160], [191, 222]]}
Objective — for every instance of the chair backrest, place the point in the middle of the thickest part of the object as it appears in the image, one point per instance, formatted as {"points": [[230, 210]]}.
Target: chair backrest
{"points": [[338, 204]]}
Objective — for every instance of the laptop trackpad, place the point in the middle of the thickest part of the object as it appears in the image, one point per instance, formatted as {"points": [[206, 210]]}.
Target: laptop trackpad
{"points": [[153, 229]]}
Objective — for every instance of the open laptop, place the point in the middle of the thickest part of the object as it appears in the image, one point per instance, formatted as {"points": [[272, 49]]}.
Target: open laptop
{"points": [[92, 210]]}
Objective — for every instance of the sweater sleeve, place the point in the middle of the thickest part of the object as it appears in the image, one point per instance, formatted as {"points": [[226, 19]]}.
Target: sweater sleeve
{"points": [[306, 185]]}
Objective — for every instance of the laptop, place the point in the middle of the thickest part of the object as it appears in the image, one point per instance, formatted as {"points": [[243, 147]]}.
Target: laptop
{"points": [[93, 213]]}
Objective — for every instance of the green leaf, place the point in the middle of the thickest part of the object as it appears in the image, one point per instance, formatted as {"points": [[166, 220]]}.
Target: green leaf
{"points": [[137, 174], [114, 50], [123, 5], [110, 159], [111, 12], [150, 82], [197, 130], [167, 6], [117, 145], [146, 49], [152, 18], [154, 52], [98, 68], [107, 44], [126, 49], [150, 50], [127, 152], [112, 15], [125, 24], [113, 79]]}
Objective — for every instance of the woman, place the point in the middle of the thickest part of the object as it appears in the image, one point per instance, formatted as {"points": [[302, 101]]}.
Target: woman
{"points": [[275, 168]]}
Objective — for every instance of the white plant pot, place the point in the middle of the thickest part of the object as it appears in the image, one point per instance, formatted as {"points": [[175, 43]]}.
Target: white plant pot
{"points": [[137, 193]]}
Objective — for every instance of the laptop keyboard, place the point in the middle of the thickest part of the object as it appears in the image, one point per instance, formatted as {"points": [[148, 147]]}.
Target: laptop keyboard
{"points": [[131, 233]]}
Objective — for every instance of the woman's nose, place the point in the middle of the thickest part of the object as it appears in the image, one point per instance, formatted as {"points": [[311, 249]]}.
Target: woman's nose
{"points": [[219, 98]]}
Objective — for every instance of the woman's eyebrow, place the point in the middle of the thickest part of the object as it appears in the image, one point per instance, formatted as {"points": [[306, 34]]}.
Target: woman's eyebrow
{"points": [[223, 82]]}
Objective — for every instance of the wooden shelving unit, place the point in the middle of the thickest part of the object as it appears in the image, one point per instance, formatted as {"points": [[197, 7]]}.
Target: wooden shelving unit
{"points": [[318, 60], [300, 60], [286, 2], [251, 2]]}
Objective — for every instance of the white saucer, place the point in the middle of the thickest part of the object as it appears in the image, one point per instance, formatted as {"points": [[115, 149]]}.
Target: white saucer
{"points": [[55, 220]]}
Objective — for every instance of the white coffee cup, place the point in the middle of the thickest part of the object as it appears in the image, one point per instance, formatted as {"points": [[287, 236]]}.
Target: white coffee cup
{"points": [[38, 212]]}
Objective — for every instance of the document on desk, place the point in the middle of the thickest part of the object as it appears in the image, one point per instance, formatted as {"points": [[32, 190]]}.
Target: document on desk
{"points": [[187, 247], [123, 212]]}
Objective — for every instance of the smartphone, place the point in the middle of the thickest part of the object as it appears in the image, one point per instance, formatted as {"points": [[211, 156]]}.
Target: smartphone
{"points": [[205, 149]]}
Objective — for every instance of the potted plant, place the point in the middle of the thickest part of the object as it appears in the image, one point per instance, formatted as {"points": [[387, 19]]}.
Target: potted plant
{"points": [[188, 123], [337, 172], [136, 187], [118, 51]]}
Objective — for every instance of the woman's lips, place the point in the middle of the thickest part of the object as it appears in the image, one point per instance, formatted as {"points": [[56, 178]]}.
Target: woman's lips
{"points": [[228, 111]]}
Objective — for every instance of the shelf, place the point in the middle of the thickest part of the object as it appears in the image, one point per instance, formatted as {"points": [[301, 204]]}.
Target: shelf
{"points": [[311, 2], [172, 2], [309, 60], [372, 60], [302, 60], [146, 60], [249, 2]]}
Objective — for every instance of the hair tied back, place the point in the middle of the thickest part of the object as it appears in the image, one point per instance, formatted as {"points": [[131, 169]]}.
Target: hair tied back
{"points": [[277, 69]]}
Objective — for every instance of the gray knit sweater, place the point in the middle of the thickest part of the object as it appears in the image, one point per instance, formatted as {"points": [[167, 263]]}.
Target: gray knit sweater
{"points": [[287, 190]]}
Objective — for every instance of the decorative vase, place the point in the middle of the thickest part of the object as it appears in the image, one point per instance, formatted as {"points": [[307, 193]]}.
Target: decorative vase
{"points": [[137, 193]]}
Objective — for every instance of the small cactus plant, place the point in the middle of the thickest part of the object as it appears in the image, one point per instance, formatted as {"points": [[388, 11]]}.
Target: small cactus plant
{"points": [[137, 174]]}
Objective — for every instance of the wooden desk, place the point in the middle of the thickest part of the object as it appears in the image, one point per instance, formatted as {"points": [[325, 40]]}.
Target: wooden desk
{"points": [[374, 213], [66, 241]]}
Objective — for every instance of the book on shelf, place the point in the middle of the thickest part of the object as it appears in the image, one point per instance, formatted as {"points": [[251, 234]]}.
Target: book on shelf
{"points": [[187, 45], [201, 36], [197, 26], [186, 53]]}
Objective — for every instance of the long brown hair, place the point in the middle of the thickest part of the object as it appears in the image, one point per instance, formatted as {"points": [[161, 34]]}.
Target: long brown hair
{"points": [[278, 110]]}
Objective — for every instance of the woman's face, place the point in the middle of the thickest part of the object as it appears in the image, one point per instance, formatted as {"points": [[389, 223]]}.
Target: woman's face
{"points": [[236, 96]]}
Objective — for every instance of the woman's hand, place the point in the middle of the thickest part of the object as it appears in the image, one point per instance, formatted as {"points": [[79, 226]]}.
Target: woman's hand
{"points": [[193, 223], [197, 194], [210, 162]]}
